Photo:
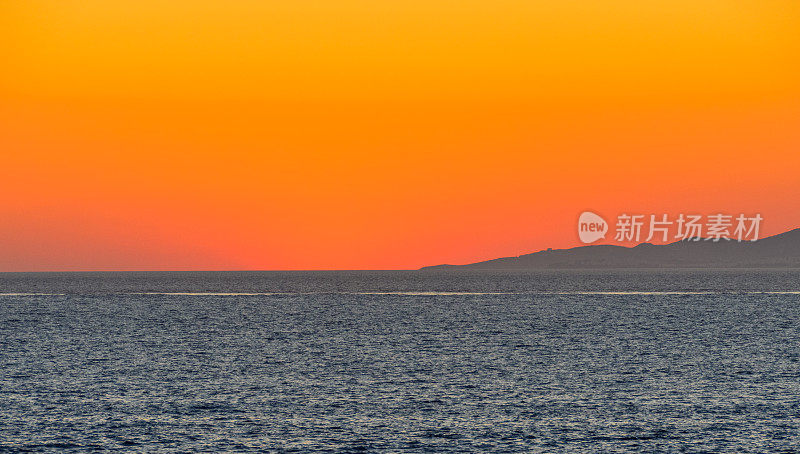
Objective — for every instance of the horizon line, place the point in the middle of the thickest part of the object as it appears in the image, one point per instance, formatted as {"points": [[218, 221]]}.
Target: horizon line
{"points": [[422, 268]]}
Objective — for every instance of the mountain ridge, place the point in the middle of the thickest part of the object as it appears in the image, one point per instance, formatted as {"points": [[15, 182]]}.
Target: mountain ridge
{"points": [[777, 251]]}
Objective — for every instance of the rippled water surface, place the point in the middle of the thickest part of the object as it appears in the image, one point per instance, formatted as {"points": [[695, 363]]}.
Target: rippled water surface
{"points": [[642, 361]]}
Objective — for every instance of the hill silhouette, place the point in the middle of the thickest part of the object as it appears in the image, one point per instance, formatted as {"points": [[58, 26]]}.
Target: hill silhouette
{"points": [[778, 251]]}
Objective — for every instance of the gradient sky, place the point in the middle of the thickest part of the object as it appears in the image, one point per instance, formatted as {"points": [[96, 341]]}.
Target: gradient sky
{"points": [[350, 134]]}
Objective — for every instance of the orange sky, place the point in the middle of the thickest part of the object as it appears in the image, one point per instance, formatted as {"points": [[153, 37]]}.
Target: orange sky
{"points": [[359, 134]]}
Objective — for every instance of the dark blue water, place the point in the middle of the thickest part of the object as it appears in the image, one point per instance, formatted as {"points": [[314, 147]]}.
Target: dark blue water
{"points": [[387, 362]]}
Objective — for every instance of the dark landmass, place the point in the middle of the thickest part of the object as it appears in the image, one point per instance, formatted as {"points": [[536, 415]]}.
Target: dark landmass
{"points": [[778, 251]]}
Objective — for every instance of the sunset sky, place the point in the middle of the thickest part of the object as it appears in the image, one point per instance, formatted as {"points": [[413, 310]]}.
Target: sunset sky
{"points": [[354, 134]]}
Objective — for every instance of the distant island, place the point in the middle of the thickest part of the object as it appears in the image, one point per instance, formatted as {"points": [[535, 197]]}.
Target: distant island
{"points": [[778, 251]]}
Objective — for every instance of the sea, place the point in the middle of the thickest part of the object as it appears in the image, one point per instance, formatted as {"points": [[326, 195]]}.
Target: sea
{"points": [[401, 361]]}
